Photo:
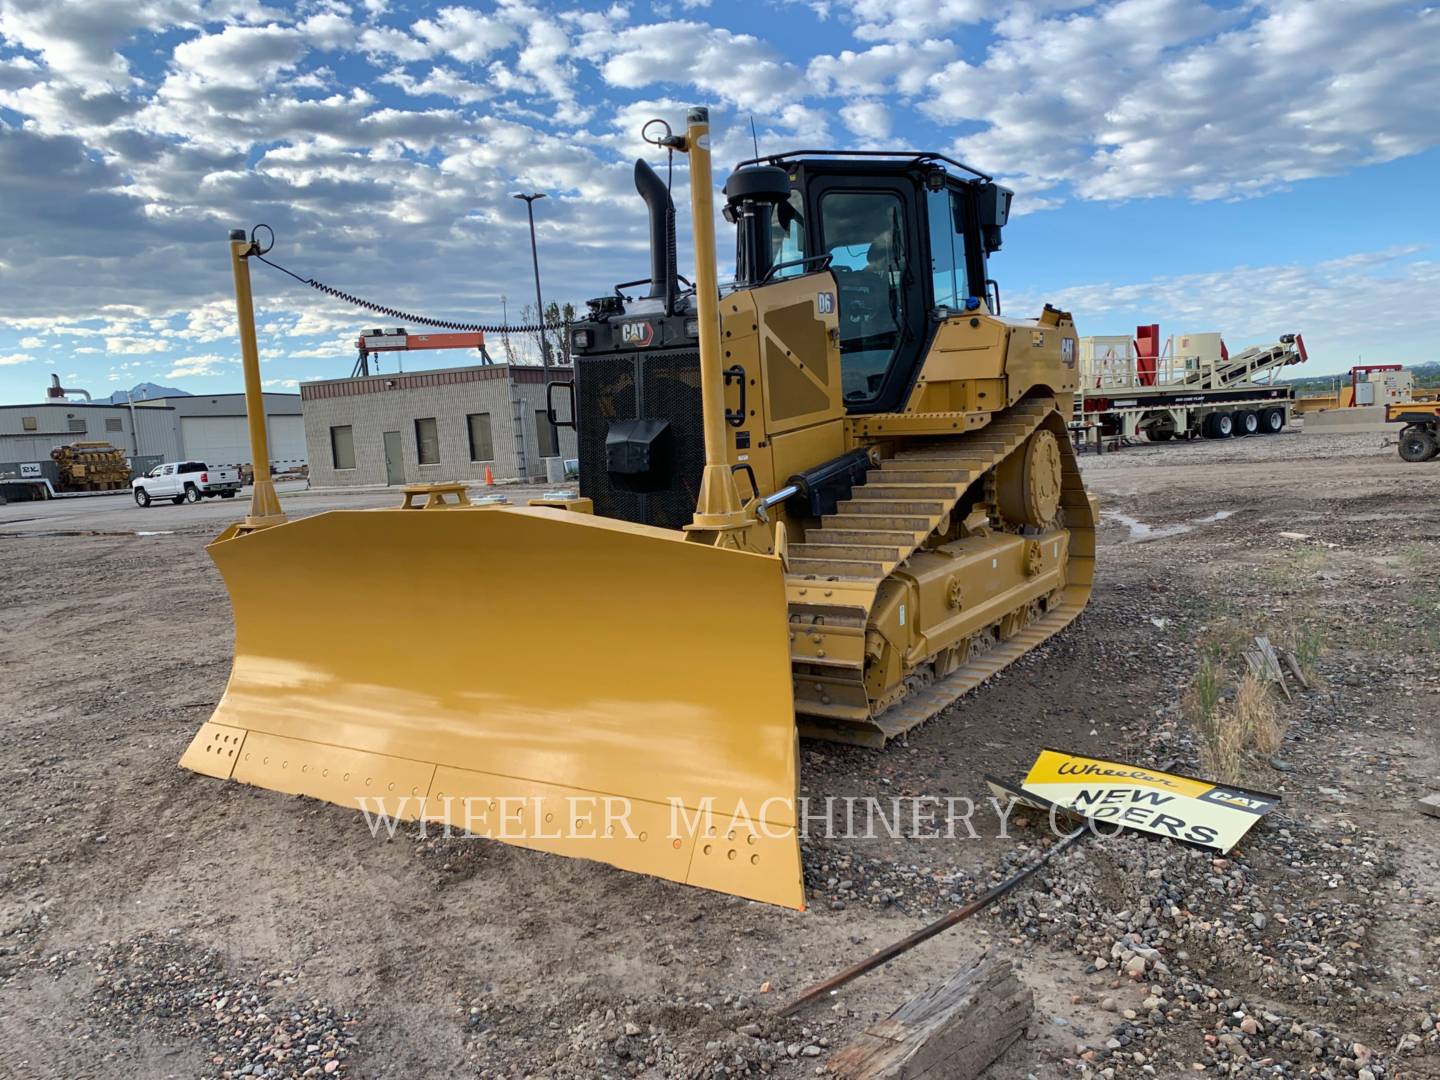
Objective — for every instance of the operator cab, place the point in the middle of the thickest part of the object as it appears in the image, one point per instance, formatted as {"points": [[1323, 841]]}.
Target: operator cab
{"points": [[907, 237]]}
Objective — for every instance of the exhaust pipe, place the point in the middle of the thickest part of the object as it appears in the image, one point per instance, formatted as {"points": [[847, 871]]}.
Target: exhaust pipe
{"points": [[662, 233], [56, 392]]}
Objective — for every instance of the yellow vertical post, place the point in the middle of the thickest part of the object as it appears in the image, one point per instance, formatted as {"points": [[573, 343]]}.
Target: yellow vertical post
{"points": [[264, 502], [718, 506]]}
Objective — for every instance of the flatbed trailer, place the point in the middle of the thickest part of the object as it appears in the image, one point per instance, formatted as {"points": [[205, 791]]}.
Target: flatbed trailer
{"points": [[15, 489], [1191, 387]]}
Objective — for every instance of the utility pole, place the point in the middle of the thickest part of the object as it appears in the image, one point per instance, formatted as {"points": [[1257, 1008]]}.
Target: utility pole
{"points": [[535, 259]]}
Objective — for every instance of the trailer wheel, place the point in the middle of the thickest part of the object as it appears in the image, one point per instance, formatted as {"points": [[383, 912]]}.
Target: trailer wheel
{"points": [[1248, 422], [142, 497], [1156, 434], [1219, 425], [1272, 421], [1417, 444]]}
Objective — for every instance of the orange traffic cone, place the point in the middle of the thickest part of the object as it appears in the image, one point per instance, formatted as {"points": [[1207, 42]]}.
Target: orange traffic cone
{"points": [[489, 477]]}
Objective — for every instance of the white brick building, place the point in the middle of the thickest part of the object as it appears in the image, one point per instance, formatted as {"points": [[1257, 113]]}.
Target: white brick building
{"points": [[431, 426]]}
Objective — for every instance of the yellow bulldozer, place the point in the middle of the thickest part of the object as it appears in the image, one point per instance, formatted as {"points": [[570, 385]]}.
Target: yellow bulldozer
{"points": [[827, 499]]}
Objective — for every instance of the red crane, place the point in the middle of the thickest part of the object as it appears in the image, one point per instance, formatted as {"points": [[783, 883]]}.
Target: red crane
{"points": [[400, 340]]}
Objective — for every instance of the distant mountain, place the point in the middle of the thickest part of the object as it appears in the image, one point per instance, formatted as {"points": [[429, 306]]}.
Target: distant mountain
{"points": [[147, 390]]}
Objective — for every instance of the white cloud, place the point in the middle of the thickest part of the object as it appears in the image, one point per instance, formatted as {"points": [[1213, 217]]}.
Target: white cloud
{"points": [[31, 342], [1153, 97], [440, 82], [387, 41], [8, 359], [466, 34], [739, 68], [912, 20], [134, 345], [241, 55], [882, 69], [199, 366], [868, 119]]}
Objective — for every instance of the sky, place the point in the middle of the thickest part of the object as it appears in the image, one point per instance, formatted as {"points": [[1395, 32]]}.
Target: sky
{"points": [[1256, 168]]}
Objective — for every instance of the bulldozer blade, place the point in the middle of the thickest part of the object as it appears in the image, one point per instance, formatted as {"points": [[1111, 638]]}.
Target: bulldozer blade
{"points": [[563, 682]]}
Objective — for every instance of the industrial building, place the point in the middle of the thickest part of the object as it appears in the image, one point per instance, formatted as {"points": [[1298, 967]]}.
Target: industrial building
{"points": [[212, 428], [446, 424], [209, 429]]}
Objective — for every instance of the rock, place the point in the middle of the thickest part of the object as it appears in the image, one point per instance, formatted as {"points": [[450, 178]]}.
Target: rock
{"points": [[632, 1029], [1135, 967]]}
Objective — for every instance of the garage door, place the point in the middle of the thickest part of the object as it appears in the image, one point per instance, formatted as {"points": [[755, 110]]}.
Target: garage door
{"points": [[225, 440]]}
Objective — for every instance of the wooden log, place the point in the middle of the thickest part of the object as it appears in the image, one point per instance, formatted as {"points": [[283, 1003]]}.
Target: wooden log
{"points": [[952, 1031]]}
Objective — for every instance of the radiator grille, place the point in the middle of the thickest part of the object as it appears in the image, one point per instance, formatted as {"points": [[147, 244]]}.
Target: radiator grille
{"points": [[669, 389]]}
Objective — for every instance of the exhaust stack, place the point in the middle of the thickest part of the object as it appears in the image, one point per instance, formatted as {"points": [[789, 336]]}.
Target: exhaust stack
{"points": [[56, 392], [662, 233]]}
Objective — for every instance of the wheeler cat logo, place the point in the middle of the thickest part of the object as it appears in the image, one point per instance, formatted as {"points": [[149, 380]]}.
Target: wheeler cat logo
{"points": [[824, 303], [639, 334]]}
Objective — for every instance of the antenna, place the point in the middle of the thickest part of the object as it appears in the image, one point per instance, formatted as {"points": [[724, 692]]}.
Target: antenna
{"points": [[754, 139]]}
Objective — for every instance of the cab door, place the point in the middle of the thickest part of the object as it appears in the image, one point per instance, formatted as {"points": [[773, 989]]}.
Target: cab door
{"points": [[168, 483], [868, 225]]}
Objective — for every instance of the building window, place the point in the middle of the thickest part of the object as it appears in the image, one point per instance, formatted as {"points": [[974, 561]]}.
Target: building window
{"points": [[427, 441], [545, 435], [482, 448], [113, 424], [29, 423], [78, 424], [342, 447]]}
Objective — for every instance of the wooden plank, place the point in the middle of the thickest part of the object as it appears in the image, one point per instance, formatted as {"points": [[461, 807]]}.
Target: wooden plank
{"points": [[952, 1031]]}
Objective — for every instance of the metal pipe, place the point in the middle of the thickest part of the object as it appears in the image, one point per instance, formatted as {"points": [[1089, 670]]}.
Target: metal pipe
{"points": [[780, 496], [719, 506], [939, 926], [264, 502], [134, 428]]}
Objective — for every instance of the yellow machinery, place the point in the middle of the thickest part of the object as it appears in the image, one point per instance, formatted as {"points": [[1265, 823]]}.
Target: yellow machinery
{"points": [[91, 466], [839, 491]]}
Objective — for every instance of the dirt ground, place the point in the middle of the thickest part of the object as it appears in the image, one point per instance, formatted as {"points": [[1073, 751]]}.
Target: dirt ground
{"points": [[158, 923]]}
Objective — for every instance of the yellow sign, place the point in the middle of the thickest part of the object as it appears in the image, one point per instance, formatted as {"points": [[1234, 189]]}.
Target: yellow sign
{"points": [[1167, 804]]}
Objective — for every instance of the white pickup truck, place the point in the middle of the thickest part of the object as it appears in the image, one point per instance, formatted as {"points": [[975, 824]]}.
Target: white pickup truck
{"points": [[185, 481]]}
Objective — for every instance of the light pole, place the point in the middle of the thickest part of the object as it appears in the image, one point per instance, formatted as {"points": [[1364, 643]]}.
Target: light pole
{"points": [[535, 259]]}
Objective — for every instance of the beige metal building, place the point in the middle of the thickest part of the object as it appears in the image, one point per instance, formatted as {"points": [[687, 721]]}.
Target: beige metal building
{"points": [[431, 426], [212, 428]]}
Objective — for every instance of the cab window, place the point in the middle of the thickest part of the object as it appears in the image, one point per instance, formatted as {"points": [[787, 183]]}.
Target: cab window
{"points": [[947, 248], [863, 232], [788, 245]]}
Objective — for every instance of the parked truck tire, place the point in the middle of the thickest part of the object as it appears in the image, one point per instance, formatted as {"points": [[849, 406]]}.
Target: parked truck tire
{"points": [[1418, 444], [192, 494], [142, 497]]}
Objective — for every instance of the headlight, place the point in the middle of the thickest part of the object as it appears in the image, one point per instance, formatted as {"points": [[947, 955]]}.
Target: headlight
{"points": [[692, 328], [580, 339]]}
